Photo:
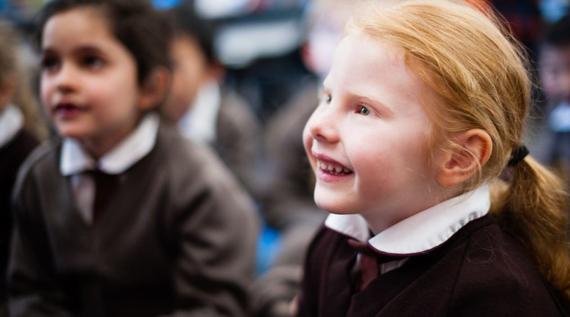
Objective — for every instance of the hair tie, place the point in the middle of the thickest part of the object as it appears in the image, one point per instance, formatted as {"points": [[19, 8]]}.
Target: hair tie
{"points": [[518, 155]]}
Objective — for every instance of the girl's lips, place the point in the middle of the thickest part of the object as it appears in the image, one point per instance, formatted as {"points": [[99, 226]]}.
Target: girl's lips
{"points": [[328, 169], [67, 111]]}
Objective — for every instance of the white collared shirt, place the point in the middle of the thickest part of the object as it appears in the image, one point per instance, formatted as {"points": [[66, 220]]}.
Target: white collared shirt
{"points": [[420, 232], [199, 123], [75, 161], [11, 122]]}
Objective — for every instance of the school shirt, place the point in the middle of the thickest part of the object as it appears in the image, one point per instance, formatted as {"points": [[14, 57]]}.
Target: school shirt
{"points": [[220, 118], [75, 162], [449, 260], [178, 238], [15, 145]]}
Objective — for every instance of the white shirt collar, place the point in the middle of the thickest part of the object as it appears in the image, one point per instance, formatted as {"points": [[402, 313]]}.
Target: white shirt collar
{"points": [[199, 123], [139, 143], [11, 122], [422, 231]]}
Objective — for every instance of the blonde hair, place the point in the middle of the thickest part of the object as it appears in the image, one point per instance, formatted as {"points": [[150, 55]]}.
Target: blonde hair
{"points": [[479, 72], [11, 69]]}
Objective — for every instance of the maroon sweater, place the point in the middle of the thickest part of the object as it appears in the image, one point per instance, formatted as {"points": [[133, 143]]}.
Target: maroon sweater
{"points": [[480, 271]]}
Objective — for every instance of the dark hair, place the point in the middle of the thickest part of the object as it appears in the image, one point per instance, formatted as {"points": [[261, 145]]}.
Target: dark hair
{"points": [[143, 31], [558, 33], [186, 22]]}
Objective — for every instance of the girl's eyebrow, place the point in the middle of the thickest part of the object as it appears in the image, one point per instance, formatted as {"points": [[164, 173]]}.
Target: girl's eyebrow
{"points": [[83, 49], [383, 108], [375, 103], [88, 49]]}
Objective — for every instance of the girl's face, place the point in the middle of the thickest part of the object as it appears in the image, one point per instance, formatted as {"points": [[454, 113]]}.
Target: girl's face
{"points": [[191, 72], [555, 74], [368, 139], [88, 80]]}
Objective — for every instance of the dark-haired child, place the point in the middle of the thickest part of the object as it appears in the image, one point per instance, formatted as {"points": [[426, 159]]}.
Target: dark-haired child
{"points": [[200, 103], [122, 216]]}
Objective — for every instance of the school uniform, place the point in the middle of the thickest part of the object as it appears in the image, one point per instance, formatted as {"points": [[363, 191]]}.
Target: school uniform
{"points": [[176, 237], [449, 260], [220, 118], [15, 145]]}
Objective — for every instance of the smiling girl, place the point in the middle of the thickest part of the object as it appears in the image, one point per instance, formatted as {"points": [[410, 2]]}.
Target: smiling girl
{"points": [[421, 112]]}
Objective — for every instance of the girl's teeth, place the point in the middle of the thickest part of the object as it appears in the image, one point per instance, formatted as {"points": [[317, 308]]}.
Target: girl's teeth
{"points": [[332, 168]]}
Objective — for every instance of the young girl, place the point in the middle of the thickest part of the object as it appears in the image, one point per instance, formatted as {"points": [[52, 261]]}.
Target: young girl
{"points": [[122, 217], [20, 129], [422, 110]]}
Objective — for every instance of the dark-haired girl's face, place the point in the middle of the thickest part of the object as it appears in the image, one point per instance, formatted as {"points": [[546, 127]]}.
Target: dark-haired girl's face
{"points": [[88, 80]]}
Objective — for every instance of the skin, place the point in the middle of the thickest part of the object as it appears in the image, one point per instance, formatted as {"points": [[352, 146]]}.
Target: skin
{"points": [[191, 72], [372, 122], [89, 81]]}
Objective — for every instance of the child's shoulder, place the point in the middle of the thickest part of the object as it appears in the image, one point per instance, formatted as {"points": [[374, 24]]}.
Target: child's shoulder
{"points": [[41, 165], [181, 152], [194, 165], [498, 274], [42, 159], [194, 173]]}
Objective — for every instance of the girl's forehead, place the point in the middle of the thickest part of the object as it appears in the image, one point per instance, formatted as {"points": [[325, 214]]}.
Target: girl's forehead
{"points": [[77, 26], [87, 20]]}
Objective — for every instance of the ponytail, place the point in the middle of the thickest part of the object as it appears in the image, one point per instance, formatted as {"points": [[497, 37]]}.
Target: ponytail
{"points": [[478, 70], [533, 208]]}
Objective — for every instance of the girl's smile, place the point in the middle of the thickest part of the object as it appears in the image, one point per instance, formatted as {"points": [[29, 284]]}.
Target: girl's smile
{"points": [[329, 170]]}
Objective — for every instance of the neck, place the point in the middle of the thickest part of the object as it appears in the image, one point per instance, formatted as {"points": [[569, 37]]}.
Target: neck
{"points": [[104, 143], [380, 220]]}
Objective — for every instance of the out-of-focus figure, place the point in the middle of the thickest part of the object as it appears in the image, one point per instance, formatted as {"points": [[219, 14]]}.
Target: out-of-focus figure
{"points": [[205, 110], [288, 200], [554, 70], [20, 130]]}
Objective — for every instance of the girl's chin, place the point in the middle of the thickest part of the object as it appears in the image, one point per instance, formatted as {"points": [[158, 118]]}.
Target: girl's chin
{"points": [[333, 206]]}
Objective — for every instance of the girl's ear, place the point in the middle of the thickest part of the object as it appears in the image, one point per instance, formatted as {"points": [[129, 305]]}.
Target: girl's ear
{"points": [[154, 89], [474, 147]]}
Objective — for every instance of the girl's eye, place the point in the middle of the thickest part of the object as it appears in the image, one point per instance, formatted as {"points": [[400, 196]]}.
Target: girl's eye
{"points": [[326, 98], [92, 61], [363, 110], [49, 63]]}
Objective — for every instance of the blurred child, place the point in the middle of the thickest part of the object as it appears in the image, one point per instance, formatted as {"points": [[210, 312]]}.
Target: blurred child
{"points": [[122, 216], [19, 132], [423, 108], [206, 111], [554, 70], [288, 203]]}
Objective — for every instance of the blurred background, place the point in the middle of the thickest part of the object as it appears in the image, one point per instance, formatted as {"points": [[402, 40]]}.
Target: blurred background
{"points": [[261, 42]]}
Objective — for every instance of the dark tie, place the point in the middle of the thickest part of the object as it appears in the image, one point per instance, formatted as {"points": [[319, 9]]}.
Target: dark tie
{"points": [[370, 261], [105, 187]]}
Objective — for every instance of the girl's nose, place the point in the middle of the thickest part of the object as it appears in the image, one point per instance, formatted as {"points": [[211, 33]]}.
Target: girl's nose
{"points": [[323, 125], [65, 79]]}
